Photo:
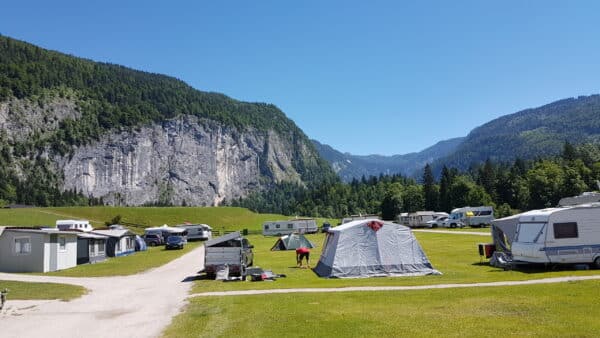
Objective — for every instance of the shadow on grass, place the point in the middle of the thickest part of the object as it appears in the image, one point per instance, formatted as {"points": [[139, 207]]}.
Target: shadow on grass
{"points": [[533, 268], [195, 278]]}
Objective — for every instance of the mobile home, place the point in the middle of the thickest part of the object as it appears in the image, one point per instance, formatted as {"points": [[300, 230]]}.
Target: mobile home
{"points": [[559, 235], [419, 218], [201, 232], [37, 250], [73, 224], [300, 225]]}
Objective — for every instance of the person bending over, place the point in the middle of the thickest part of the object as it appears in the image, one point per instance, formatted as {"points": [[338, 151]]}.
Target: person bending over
{"points": [[303, 252]]}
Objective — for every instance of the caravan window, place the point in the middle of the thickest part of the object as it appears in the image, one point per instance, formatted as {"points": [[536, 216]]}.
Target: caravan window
{"points": [[485, 213], [529, 232], [22, 245], [290, 226], [565, 230], [277, 226], [62, 243]]}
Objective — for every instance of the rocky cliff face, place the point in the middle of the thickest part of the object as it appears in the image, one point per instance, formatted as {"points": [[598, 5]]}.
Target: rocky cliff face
{"points": [[185, 160]]}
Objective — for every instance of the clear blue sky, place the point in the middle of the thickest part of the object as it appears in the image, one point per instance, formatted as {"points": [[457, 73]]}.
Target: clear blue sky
{"points": [[366, 77]]}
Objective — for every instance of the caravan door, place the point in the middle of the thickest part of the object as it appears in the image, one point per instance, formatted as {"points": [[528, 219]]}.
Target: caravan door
{"points": [[530, 242]]}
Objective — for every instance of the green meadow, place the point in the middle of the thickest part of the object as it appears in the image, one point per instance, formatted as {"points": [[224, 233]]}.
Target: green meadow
{"points": [[29, 291]]}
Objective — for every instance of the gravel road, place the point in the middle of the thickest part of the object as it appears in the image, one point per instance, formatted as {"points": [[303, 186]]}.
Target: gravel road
{"points": [[140, 305]]}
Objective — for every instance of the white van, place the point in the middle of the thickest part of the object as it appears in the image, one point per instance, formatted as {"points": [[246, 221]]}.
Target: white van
{"points": [[300, 225], [559, 235], [201, 232]]}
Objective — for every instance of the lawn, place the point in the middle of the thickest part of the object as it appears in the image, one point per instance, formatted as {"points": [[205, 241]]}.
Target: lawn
{"points": [[565, 309], [27, 290], [455, 255], [220, 218], [126, 265]]}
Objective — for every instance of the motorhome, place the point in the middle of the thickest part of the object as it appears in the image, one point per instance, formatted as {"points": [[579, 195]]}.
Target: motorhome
{"points": [[300, 225], [201, 232], [359, 217], [72, 224], [559, 235], [470, 216], [419, 218]]}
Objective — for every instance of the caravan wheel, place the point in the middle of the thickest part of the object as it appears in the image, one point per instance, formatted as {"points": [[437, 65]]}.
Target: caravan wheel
{"points": [[597, 262]]}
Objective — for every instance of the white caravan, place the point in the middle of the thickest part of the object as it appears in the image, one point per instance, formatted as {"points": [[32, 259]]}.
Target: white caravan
{"points": [[471, 216], [300, 225], [72, 224], [559, 235], [201, 232]]}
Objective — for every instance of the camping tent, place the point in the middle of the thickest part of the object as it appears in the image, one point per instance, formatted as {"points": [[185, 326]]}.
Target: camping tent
{"points": [[370, 248], [292, 242]]}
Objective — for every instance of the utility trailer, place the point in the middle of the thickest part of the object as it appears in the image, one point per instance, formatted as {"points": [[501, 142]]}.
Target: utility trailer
{"points": [[232, 251]]}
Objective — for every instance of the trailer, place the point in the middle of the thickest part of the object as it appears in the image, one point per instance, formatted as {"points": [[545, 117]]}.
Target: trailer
{"points": [[231, 251], [565, 235], [419, 218], [201, 232], [298, 225]]}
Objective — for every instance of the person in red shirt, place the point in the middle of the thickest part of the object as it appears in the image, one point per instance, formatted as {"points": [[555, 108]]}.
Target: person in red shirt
{"points": [[303, 252]]}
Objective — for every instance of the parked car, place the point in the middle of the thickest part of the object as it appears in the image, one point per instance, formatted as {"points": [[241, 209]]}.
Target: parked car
{"points": [[153, 239], [435, 223], [325, 228], [174, 242], [453, 223]]}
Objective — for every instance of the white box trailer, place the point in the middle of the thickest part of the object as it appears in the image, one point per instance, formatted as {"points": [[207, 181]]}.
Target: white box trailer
{"points": [[299, 225], [419, 218], [231, 250], [559, 235]]}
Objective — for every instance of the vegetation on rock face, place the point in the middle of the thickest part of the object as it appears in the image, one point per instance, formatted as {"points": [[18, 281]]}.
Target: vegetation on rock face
{"points": [[520, 185], [112, 97]]}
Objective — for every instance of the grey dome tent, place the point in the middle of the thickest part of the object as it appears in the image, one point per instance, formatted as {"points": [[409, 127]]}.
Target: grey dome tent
{"points": [[372, 248], [292, 242]]}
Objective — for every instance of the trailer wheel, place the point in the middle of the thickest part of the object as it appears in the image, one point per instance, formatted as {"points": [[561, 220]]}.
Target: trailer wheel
{"points": [[453, 225], [597, 262]]}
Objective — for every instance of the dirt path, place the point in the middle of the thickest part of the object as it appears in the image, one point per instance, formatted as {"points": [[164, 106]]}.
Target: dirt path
{"points": [[140, 305], [396, 288]]}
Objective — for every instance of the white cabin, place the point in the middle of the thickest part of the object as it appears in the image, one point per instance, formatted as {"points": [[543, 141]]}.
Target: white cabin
{"points": [[73, 224], [300, 225], [559, 235]]}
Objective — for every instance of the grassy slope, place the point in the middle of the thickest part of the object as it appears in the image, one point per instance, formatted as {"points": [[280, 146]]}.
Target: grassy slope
{"points": [[456, 256], [221, 218], [26, 291], [535, 310]]}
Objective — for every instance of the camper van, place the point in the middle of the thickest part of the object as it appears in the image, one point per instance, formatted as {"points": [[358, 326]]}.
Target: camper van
{"points": [[470, 216], [559, 235], [201, 232], [72, 224], [300, 225]]}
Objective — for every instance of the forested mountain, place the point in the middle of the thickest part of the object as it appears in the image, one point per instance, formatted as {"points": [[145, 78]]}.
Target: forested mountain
{"points": [[349, 166], [530, 134], [106, 133]]}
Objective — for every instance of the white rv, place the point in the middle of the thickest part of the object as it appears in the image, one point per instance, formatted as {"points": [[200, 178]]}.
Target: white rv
{"points": [[72, 224], [559, 235], [300, 225], [201, 232], [470, 216], [419, 218]]}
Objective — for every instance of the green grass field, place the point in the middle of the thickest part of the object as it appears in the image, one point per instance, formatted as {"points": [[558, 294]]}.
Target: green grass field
{"points": [[456, 256], [554, 310], [28, 291], [126, 265], [220, 218]]}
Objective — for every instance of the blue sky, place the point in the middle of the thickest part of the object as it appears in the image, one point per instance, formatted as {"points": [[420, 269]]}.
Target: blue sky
{"points": [[385, 77]]}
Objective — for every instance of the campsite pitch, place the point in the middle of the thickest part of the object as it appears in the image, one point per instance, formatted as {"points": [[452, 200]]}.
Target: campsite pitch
{"points": [[29, 290]]}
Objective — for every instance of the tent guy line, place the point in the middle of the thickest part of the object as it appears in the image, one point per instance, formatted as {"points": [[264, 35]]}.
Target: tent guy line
{"points": [[396, 288]]}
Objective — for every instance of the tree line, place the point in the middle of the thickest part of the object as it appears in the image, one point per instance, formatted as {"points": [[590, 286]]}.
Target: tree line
{"points": [[509, 187]]}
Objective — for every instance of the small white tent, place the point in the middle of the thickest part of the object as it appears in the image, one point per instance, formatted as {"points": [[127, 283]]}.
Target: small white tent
{"points": [[372, 248]]}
